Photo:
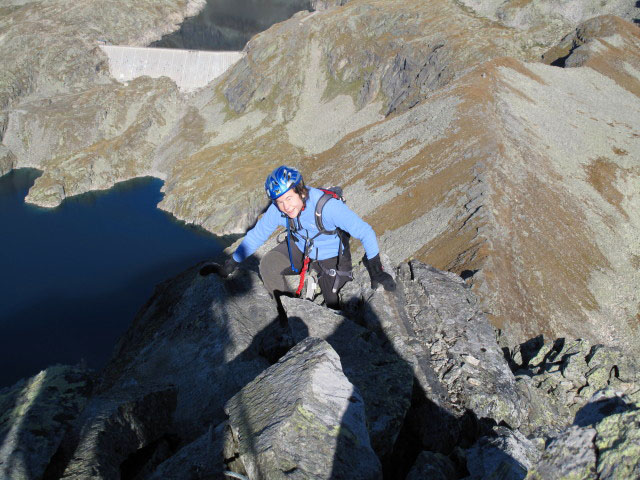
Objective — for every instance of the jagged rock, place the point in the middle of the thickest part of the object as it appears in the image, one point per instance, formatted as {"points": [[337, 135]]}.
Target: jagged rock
{"points": [[546, 19], [381, 375], [433, 466], [111, 429], [452, 349], [592, 44], [603, 443], [201, 459], [202, 335], [506, 455], [35, 414], [562, 376], [301, 418]]}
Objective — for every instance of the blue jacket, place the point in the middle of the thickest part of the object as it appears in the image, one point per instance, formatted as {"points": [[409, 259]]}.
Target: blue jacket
{"points": [[334, 214]]}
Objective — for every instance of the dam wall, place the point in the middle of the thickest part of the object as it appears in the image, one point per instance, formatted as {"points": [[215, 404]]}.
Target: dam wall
{"points": [[190, 69]]}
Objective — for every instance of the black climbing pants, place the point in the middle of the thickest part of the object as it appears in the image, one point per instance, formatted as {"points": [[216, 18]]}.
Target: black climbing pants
{"points": [[275, 265]]}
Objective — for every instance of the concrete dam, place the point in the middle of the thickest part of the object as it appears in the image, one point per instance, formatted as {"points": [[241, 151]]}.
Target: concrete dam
{"points": [[190, 69]]}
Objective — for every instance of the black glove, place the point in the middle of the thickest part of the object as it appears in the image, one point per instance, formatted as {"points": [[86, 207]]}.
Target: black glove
{"points": [[378, 275], [221, 270]]}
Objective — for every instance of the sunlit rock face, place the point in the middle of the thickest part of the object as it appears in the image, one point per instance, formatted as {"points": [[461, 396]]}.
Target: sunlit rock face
{"points": [[446, 131]]}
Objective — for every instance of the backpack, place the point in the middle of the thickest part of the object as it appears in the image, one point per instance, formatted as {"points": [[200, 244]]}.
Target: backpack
{"points": [[344, 251], [328, 194]]}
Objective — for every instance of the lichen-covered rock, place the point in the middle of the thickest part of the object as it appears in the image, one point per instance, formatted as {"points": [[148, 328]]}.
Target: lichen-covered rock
{"points": [[558, 378], [381, 375], [506, 455], [111, 429], [569, 456], [618, 444], [603, 443], [35, 415], [302, 418]]}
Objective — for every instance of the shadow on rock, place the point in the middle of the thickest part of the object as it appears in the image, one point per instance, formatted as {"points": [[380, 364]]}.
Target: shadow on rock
{"points": [[192, 346], [36, 413], [600, 407]]}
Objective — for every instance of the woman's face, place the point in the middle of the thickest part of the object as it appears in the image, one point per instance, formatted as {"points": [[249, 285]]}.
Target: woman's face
{"points": [[290, 203]]}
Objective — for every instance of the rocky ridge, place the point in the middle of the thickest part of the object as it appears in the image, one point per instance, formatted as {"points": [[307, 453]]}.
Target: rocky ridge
{"points": [[462, 150], [211, 378], [452, 140]]}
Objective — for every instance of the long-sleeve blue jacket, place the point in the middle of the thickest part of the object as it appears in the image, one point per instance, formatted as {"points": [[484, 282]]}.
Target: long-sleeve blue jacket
{"points": [[334, 214]]}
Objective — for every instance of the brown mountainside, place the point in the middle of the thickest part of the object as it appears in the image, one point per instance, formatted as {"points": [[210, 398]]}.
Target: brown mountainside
{"points": [[449, 137]]}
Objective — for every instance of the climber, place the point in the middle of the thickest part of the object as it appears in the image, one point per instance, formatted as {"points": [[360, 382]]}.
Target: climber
{"points": [[318, 225]]}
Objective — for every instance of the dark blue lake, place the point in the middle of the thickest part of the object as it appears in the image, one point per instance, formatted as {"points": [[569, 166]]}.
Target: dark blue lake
{"points": [[72, 278], [229, 24]]}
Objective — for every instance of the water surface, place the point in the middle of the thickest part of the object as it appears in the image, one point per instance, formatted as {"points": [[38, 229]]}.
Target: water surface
{"points": [[229, 24], [73, 277]]}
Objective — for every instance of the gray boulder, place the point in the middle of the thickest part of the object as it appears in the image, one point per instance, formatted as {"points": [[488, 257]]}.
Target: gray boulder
{"points": [[603, 442], [453, 330], [506, 455], [301, 419], [618, 443], [113, 428], [35, 415], [379, 373]]}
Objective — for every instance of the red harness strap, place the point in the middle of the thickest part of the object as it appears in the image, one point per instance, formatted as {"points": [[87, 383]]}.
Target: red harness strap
{"points": [[305, 267]]}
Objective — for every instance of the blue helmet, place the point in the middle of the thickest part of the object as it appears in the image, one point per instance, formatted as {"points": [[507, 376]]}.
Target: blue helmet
{"points": [[281, 180]]}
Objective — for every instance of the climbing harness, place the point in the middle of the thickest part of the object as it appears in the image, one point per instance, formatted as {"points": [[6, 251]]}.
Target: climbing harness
{"points": [[289, 235], [303, 273], [343, 247]]}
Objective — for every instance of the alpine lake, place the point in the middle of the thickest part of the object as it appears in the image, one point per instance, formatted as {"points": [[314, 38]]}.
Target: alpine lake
{"points": [[73, 277]]}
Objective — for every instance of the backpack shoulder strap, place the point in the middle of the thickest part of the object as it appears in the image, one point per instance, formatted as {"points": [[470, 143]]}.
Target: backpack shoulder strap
{"points": [[326, 196]]}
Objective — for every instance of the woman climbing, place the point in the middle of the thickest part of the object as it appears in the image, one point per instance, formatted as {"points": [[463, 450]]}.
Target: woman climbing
{"points": [[318, 225]]}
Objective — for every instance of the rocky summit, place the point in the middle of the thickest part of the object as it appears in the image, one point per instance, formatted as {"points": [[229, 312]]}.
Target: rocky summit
{"points": [[494, 148], [211, 380]]}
